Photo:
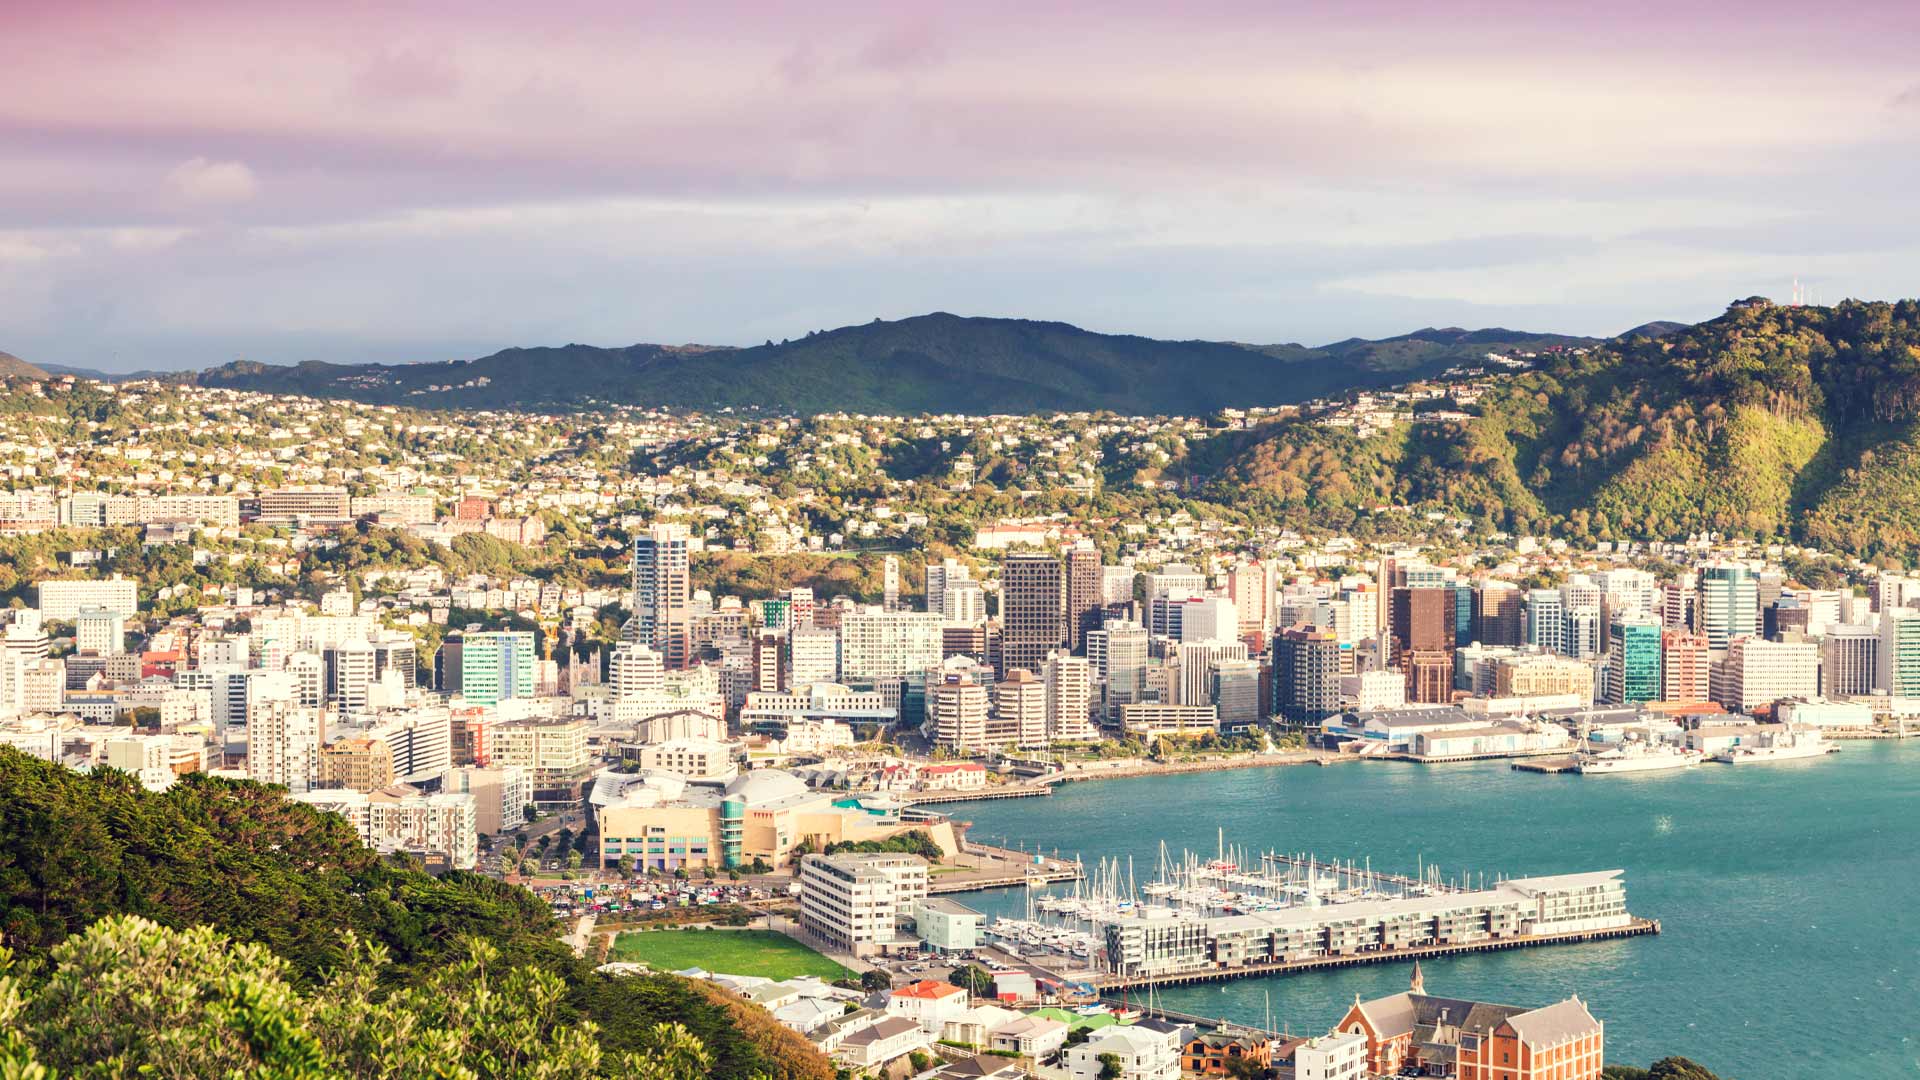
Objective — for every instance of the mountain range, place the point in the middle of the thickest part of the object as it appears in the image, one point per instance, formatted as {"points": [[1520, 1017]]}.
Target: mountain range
{"points": [[927, 364]]}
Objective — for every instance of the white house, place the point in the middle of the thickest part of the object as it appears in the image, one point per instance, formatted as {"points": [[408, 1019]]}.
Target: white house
{"points": [[1143, 1055], [929, 1004]]}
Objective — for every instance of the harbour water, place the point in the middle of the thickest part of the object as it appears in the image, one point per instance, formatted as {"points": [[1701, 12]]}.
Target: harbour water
{"points": [[1789, 893]]}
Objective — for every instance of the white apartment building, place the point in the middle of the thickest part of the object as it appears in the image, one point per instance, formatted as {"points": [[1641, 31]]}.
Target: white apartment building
{"points": [[1377, 689], [400, 818], [100, 631], [1069, 684], [283, 744], [854, 902], [957, 714], [65, 598], [635, 670], [877, 644], [812, 656], [1339, 1056], [1758, 672]]}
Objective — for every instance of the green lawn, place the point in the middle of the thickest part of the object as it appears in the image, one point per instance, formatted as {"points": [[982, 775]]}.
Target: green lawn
{"points": [[726, 952]]}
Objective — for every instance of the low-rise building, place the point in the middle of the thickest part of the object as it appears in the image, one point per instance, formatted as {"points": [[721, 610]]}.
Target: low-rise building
{"points": [[928, 1004], [855, 902], [1339, 1056], [1142, 1055], [946, 926]]}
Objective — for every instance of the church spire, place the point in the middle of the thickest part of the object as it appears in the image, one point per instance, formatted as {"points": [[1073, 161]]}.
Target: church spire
{"points": [[1419, 982]]}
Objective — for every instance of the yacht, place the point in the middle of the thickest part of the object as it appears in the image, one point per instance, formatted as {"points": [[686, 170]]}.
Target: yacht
{"points": [[1636, 757]]}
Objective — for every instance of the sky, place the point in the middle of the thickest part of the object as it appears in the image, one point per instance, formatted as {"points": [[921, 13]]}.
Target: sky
{"points": [[184, 184]]}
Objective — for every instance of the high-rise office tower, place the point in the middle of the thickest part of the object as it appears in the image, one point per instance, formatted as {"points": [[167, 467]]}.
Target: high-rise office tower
{"points": [[1677, 601], [1069, 681], [496, 665], [962, 603], [1119, 654], [1546, 620], [1684, 673], [396, 653], [635, 671], [1729, 603], [1251, 591], [940, 577], [662, 594], [800, 607], [812, 656], [1899, 652], [1499, 614], [1422, 629], [1233, 686], [1196, 660], [1033, 611], [1849, 660], [350, 673], [1306, 674], [1019, 713], [1083, 594], [1209, 618], [1633, 657], [1584, 632], [890, 583]]}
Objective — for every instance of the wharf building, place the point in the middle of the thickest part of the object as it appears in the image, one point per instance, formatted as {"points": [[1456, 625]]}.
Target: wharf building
{"points": [[1161, 941]]}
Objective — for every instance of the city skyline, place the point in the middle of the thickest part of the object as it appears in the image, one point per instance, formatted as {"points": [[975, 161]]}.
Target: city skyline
{"points": [[210, 181]]}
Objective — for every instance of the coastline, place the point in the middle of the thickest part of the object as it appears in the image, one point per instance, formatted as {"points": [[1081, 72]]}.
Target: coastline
{"points": [[1135, 768]]}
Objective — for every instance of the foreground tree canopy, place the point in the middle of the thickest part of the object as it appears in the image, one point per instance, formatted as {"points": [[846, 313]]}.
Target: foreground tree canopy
{"points": [[132, 998], [240, 864]]}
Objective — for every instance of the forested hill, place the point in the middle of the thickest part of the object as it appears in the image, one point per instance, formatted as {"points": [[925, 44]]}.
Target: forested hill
{"points": [[1770, 421], [12, 367], [936, 363], [243, 860]]}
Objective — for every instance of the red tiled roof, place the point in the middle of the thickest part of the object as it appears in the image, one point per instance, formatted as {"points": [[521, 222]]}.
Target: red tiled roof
{"points": [[929, 990]]}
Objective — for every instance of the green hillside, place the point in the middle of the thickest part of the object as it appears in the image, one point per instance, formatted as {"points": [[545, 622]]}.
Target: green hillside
{"points": [[1770, 421], [935, 363], [239, 858]]}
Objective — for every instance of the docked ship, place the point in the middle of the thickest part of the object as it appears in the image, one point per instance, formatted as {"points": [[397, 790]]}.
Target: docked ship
{"points": [[1791, 745], [1636, 757]]}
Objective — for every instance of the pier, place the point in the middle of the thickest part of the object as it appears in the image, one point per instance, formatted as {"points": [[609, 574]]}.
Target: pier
{"points": [[1636, 928], [1548, 765], [1006, 791]]}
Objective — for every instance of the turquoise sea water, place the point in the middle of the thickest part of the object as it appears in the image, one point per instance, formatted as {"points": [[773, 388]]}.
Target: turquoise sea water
{"points": [[1789, 893]]}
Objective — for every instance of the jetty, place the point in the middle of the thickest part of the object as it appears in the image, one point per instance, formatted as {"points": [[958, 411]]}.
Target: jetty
{"points": [[1553, 765], [1114, 982]]}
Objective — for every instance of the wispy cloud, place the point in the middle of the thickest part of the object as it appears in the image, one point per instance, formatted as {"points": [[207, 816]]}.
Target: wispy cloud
{"points": [[371, 169]]}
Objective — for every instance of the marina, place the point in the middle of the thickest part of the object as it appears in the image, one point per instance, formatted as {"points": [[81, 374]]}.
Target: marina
{"points": [[1242, 913], [1727, 925]]}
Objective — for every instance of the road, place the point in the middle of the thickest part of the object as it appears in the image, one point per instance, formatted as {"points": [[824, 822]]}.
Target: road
{"points": [[582, 935]]}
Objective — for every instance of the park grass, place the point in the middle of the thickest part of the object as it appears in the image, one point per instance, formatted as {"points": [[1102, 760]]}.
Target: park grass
{"points": [[726, 952]]}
